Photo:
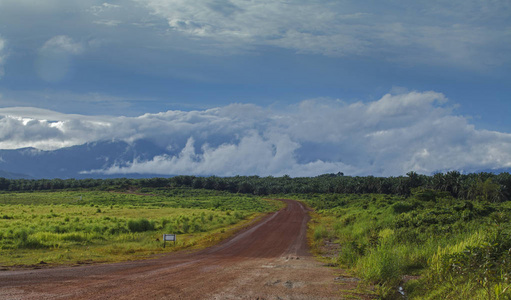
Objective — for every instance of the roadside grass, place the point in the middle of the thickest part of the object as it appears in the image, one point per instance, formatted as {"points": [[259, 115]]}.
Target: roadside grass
{"points": [[128, 246], [42, 228], [439, 249]]}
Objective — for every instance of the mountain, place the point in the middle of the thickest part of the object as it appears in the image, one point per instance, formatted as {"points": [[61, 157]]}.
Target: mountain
{"points": [[69, 162]]}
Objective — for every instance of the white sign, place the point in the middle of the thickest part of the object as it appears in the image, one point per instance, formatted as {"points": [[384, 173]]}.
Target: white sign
{"points": [[169, 237]]}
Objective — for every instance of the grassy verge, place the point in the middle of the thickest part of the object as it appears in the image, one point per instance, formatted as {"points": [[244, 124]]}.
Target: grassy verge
{"points": [[76, 227], [435, 247]]}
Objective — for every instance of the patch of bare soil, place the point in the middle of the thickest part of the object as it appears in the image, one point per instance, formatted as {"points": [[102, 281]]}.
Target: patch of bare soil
{"points": [[269, 260]]}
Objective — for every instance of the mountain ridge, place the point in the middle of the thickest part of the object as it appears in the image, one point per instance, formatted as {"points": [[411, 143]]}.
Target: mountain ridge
{"points": [[70, 162]]}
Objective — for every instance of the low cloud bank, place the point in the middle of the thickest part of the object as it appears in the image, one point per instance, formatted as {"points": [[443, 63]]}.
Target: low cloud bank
{"points": [[398, 133]]}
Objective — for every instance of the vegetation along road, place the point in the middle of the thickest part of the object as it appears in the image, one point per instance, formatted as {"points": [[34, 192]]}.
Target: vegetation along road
{"points": [[269, 260]]}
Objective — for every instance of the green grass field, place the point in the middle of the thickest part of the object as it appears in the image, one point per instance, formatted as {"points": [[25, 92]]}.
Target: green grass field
{"points": [[70, 227]]}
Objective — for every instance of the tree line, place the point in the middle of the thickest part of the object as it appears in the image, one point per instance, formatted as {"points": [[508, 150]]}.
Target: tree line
{"points": [[484, 186]]}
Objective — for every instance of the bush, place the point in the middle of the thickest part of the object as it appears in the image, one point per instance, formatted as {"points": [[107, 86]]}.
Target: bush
{"points": [[74, 237], [185, 227], [24, 240], [488, 265], [30, 243], [140, 225], [402, 207], [350, 253], [320, 232]]}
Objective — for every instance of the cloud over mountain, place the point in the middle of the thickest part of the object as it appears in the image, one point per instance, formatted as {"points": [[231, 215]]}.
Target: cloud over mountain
{"points": [[398, 133]]}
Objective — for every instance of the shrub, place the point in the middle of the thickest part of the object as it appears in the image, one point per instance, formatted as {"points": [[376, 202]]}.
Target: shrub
{"points": [[197, 228], [350, 253], [425, 194], [30, 243], [488, 265], [23, 240], [402, 207], [185, 227], [140, 225], [320, 232]]}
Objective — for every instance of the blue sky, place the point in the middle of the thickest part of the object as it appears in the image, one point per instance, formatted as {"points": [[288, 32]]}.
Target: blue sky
{"points": [[124, 59]]}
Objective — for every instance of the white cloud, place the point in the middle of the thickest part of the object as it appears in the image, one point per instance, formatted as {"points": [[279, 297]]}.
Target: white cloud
{"points": [[2, 56], [468, 33], [62, 44], [107, 12], [390, 136], [421, 32], [64, 100], [252, 155], [107, 22], [254, 23], [46, 130], [55, 56], [104, 7]]}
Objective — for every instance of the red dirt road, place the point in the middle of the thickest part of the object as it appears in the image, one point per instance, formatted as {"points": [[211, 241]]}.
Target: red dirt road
{"points": [[268, 261]]}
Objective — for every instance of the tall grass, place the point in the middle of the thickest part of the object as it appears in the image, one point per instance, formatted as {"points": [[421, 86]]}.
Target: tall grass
{"points": [[382, 265], [382, 238]]}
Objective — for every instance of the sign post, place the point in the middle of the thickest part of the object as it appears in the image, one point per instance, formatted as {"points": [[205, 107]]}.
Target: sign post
{"points": [[169, 237]]}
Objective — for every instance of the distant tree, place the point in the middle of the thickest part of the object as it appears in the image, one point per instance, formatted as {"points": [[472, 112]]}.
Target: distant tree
{"points": [[487, 191]]}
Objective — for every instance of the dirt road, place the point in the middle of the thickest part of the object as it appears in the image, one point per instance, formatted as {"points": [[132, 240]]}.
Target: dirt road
{"points": [[268, 261]]}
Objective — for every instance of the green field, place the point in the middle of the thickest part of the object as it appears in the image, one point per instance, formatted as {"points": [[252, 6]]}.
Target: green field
{"points": [[74, 227], [431, 244]]}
